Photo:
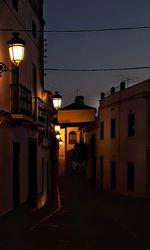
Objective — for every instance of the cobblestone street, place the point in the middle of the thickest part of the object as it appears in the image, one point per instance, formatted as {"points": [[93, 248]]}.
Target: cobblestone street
{"points": [[87, 220]]}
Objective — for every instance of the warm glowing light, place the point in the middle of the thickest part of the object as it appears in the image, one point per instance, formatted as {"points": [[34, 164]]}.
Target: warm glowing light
{"points": [[16, 49], [60, 141], [58, 135], [57, 128], [57, 100]]}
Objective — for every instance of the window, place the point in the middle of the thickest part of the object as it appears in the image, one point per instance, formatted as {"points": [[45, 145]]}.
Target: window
{"points": [[131, 124], [72, 137], [101, 130], [33, 29], [113, 128], [131, 176], [15, 4], [113, 174], [93, 146]]}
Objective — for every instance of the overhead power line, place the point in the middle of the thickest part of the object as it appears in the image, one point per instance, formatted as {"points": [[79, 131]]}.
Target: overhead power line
{"points": [[98, 29], [98, 70], [80, 30]]}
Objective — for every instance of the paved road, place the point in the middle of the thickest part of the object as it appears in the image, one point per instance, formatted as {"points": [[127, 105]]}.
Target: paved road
{"points": [[88, 220]]}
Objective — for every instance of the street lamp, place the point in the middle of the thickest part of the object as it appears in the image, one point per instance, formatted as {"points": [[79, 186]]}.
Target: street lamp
{"points": [[57, 100], [58, 135], [16, 52], [57, 127], [60, 141], [16, 49]]}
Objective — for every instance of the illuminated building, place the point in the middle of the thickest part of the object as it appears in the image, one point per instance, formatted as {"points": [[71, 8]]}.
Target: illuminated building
{"points": [[24, 151], [71, 118]]}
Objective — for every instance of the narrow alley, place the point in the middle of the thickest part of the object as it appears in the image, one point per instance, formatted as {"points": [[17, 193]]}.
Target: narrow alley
{"points": [[87, 220]]}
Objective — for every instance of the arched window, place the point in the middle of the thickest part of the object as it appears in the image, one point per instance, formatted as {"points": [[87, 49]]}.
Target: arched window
{"points": [[72, 137]]}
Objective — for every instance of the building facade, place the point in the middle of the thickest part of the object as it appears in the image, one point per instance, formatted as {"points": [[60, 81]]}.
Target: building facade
{"points": [[71, 118], [89, 136], [124, 140], [24, 151]]}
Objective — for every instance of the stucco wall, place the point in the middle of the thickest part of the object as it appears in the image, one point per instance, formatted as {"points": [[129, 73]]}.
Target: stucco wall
{"points": [[123, 148], [75, 116]]}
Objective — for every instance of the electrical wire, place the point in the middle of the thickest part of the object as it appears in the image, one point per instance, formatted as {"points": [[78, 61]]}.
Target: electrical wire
{"points": [[80, 30], [98, 70], [99, 29]]}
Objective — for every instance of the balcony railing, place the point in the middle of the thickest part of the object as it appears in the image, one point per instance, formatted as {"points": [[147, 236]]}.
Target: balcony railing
{"points": [[21, 100], [39, 109]]}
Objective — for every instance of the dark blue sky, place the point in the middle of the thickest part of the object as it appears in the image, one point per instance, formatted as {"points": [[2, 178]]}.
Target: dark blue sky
{"points": [[95, 50]]}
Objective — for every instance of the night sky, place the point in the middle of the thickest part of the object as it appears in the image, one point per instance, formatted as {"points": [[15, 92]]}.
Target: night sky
{"points": [[113, 49]]}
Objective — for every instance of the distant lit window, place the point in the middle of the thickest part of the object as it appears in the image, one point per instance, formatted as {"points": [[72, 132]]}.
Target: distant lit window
{"points": [[15, 4], [131, 124], [101, 130], [113, 128], [33, 29], [72, 137]]}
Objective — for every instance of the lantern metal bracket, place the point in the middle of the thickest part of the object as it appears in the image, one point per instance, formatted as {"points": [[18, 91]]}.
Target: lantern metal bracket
{"points": [[4, 68]]}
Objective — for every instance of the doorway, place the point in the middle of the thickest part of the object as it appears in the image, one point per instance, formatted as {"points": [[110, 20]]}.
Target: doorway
{"points": [[16, 174], [32, 172]]}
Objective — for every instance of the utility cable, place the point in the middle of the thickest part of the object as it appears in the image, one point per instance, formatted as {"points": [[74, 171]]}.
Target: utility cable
{"points": [[98, 70], [79, 30]]}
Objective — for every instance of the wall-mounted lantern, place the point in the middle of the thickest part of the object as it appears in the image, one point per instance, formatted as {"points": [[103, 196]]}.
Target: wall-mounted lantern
{"points": [[57, 127], [16, 49], [58, 135], [57, 100], [60, 141], [16, 52]]}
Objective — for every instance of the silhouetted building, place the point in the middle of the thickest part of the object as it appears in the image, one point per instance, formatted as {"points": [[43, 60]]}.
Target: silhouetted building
{"points": [[90, 138]]}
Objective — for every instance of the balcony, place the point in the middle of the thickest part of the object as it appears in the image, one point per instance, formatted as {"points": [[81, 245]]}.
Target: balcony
{"points": [[21, 100], [39, 110]]}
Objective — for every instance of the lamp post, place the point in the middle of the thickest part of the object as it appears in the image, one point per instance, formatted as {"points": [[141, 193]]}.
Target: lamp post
{"points": [[16, 52]]}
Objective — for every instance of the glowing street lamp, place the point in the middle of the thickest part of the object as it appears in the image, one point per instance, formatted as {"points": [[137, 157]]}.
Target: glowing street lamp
{"points": [[58, 135], [16, 52], [57, 100], [60, 141], [16, 49], [57, 127]]}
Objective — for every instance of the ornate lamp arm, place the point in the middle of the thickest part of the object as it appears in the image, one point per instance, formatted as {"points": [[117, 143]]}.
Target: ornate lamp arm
{"points": [[4, 68]]}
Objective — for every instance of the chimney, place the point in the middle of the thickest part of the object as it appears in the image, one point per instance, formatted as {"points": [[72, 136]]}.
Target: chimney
{"points": [[102, 95], [122, 85], [112, 90], [79, 99]]}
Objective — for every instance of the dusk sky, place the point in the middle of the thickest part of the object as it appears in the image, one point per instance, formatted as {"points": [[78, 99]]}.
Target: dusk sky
{"points": [[95, 50]]}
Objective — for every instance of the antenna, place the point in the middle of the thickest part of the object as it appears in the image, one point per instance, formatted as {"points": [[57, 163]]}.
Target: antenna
{"points": [[77, 91]]}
